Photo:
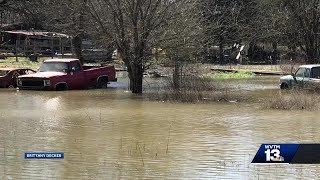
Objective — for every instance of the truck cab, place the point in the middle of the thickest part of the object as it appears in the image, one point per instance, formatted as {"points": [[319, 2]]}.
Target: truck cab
{"points": [[306, 76]]}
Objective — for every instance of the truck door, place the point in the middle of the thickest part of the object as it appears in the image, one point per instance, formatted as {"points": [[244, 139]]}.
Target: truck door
{"points": [[306, 78], [77, 78], [299, 77]]}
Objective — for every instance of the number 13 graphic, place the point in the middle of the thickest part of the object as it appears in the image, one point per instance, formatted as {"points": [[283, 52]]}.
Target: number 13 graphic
{"points": [[275, 154]]}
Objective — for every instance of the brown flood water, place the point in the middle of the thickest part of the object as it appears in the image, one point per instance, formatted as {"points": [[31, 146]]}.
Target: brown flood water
{"points": [[112, 134]]}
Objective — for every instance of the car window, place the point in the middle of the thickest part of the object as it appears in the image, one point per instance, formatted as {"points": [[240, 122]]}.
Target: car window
{"points": [[28, 71], [315, 72], [75, 65], [307, 73], [53, 67], [15, 74], [25, 71], [300, 72], [21, 72], [3, 73]]}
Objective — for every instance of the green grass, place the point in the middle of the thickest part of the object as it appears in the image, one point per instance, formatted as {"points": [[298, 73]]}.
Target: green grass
{"points": [[230, 75], [22, 62]]}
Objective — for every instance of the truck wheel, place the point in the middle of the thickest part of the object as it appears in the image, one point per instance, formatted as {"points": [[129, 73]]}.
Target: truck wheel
{"points": [[10, 86], [61, 87], [284, 86], [102, 83]]}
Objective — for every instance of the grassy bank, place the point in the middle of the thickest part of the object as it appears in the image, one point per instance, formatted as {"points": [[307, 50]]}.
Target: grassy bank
{"points": [[21, 63], [230, 75], [285, 68]]}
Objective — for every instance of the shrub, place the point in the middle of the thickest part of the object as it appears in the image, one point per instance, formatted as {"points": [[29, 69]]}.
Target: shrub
{"points": [[191, 89]]}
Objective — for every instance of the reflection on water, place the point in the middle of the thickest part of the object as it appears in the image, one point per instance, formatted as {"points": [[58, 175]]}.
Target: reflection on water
{"points": [[112, 134]]}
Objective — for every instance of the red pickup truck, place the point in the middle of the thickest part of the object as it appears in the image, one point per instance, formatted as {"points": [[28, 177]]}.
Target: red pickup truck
{"points": [[67, 74]]}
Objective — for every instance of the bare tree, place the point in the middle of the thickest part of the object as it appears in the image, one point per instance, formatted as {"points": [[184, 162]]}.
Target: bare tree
{"points": [[134, 27], [227, 22], [21, 11], [301, 20], [70, 17], [183, 39]]}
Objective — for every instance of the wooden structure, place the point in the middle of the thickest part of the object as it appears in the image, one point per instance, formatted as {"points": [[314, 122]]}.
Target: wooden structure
{"points": [[24, 43], [32, 44], [21, 43]]}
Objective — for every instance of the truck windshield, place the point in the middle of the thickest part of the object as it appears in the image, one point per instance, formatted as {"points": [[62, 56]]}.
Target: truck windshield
{"points": [[53, 67]]}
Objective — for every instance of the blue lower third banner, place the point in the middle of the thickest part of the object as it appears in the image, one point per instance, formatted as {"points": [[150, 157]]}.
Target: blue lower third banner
{"points": [[288, 153], [44, 155]]}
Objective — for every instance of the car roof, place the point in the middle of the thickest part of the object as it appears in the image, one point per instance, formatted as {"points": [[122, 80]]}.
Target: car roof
{"points": [[310, 65], [12, 68], [62, 60]]}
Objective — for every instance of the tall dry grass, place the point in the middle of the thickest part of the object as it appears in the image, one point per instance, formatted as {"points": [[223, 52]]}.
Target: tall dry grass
{"points": [[294, 100], [195, 89], [192, 89]]}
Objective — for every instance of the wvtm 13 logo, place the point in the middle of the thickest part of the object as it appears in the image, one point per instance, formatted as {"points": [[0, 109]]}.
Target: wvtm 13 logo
{"points": [[273, 153]]}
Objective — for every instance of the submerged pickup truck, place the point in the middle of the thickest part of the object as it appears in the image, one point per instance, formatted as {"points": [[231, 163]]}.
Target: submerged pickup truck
{"points": [[67, 74], [307, 76]]}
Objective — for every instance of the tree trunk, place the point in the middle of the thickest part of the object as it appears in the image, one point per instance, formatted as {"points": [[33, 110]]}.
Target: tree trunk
{"points": [[221, 54], [136, 77], [176, 71], [77, 45]]}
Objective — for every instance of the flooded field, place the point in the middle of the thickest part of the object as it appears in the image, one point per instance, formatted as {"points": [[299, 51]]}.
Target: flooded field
{"points": [[112, 134]]}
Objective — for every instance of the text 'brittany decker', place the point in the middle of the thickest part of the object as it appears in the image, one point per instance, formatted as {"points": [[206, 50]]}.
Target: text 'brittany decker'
{"points": [[44, 156]]}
